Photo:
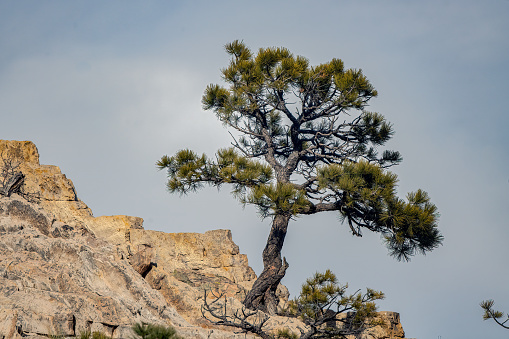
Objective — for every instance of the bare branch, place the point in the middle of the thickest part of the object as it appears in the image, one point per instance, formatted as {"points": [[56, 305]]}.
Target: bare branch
{"points": [[218, 313], [12, 179]]}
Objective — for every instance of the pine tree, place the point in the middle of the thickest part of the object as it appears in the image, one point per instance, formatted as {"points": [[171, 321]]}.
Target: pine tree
{"points": [[322, 299], [305, 144]]}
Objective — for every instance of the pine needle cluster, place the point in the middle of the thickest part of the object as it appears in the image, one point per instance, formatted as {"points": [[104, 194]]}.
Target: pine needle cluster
{"points": [[490, 313]]}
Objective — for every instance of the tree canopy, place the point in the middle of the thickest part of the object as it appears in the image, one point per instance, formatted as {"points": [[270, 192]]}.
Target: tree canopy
{"points": [[304, 143]]}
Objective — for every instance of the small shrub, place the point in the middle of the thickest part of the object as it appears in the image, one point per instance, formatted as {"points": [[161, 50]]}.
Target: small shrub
{"points": [[84, 335], [286, 334], [150, 331], [92, 335], [56, 336]]}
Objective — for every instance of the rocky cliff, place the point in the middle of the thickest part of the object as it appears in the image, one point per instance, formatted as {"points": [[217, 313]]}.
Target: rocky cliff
{"points": [[63, 271]]}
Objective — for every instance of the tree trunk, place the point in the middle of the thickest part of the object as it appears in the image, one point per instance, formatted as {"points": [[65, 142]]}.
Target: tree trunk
{"points": [[263, 294]]}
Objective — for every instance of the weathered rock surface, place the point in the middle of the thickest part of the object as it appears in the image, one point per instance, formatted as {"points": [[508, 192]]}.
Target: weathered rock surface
{"points": [[54, 279], [63, 271]]}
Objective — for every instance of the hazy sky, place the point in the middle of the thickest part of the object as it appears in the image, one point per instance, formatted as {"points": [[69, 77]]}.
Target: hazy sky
{"points": [[105, 88]]}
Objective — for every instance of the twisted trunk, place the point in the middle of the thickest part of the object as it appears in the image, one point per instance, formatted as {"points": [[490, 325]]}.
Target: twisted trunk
{"points": [[263, 294]]}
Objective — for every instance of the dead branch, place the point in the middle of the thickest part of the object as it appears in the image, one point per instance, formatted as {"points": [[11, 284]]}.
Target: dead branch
{"points": [[247, 321], [12, 179]]}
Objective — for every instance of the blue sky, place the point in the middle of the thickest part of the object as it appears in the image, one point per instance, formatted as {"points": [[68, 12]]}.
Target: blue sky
{"points": [[105, 89]]}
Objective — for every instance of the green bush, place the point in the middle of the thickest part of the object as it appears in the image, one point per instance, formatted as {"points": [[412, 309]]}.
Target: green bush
{"points": [[286, 334], [93, 335], [82, 335], [150, 331]]}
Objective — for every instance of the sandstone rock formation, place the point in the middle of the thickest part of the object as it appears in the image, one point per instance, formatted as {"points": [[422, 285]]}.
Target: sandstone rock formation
{"points": [[63, 271]]}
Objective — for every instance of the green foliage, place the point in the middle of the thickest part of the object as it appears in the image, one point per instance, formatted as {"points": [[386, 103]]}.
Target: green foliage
{"points": [[151, 331], [286, 334], [261, 86], [412, 225], [322, 298], [82, 335], [141, 330], [250, 179], [305, 145], [92, 335], [361, 181], [490, 313], [369, 200], [282, 198], [188, 171], [56, 336]]}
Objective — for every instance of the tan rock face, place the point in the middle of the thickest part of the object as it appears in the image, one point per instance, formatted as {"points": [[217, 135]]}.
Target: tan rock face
{"points": [[46, 182], [56, 280], [23, 151], [212, 253], [190, 263], [63, 271]]}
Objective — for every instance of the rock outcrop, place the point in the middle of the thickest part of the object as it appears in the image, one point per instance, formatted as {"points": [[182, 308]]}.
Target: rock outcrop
{"points": [[56, 279], [63, 271]]}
